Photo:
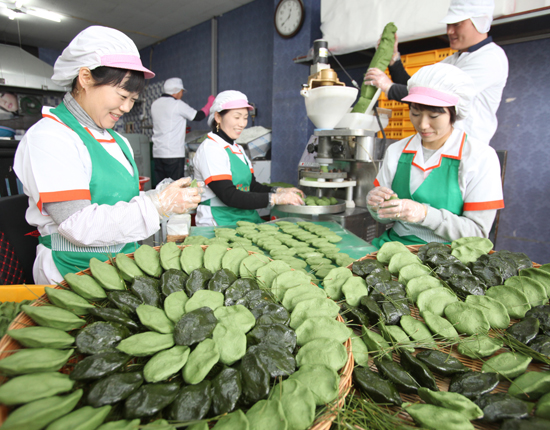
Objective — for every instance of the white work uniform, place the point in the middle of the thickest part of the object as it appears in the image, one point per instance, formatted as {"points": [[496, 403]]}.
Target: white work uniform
{"points": [[211, 163], [488, 68], [170, 118], [478, 179], [54, 165]]}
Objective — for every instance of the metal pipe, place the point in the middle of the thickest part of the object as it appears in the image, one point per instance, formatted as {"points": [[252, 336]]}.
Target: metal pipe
{"points": [[214, 56]]}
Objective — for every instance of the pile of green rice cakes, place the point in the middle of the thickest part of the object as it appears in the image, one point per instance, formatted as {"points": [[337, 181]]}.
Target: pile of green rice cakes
{"points": [[192, 336], [452, 336], [304, 246]]}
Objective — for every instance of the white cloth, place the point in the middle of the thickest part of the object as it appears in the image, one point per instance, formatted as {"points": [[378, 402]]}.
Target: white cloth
{"points": [[479, 182], [211, 163], [170, 118], [54, 165], [488, 68]]}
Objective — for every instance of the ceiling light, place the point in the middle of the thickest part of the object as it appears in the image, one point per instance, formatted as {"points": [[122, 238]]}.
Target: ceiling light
{"points": [[42, 13], [16, 10]]}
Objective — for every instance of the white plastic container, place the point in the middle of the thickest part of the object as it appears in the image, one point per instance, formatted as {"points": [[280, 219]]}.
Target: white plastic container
{"points": [[326, 106]]}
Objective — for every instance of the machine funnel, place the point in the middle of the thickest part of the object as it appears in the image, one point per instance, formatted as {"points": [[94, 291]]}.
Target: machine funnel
{"points": [[326, 105]]}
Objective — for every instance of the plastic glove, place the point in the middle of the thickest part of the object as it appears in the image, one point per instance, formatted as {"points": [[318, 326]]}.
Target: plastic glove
{"points": [[175, 197], [208, 105], [286, 199], [281, 190], [405, 210], [377, 196], [378, 78]]}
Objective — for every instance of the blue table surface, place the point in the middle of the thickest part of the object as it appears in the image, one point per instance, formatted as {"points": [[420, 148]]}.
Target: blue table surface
{"points": [[350, 244]]}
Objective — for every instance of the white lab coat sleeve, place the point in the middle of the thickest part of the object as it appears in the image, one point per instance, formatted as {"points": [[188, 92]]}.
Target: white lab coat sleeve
{"points": [[479, 176], [452, 227], [103, 225], [186, 111]]}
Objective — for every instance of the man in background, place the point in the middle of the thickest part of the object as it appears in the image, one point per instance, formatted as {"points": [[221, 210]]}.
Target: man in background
{"points": [[170, 115], [468, 22]]}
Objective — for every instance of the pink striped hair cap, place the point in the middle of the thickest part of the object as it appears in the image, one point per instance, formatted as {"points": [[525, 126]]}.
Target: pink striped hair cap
{"points": [[442, 85]]}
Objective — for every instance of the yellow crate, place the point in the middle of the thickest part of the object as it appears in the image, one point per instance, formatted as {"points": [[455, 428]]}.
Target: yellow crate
{"points": [[412, 70], [444, 53], [425, 58], [386, 104], [397, 113], [394, 134], [394, 125], [407, 123], [407, 132], [18, 293]]}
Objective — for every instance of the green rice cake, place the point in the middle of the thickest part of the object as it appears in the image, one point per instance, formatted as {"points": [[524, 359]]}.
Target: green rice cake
{"points": [[515, 302], [468, 319], [354, 288], [508, 365], [435, 300], [325, 351], [318, 327], [494, 311]]}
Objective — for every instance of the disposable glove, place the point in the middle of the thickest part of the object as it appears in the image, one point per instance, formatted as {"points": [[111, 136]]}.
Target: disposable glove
{"points": [[288, 198], [379, 79], [377, 196], [175, 197], [281, 190], [405, 210], [208, 105]]}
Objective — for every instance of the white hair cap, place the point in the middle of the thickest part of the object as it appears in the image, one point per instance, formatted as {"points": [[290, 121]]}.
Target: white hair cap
{"points": [[479, 11], [442, 85], [228, 100], [173, 86], [97, 46]]}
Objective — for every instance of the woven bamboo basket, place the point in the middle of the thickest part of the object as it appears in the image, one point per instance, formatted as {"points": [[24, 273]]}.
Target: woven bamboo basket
{"points": [[9, 346], [443, 382]]}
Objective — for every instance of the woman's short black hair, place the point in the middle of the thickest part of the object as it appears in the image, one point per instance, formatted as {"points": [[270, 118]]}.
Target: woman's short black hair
{"points": [[113, 76], [222, 113], [437, 109]]}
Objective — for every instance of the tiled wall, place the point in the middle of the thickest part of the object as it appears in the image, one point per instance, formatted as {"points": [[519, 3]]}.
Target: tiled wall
{"points": [[523, 132]]}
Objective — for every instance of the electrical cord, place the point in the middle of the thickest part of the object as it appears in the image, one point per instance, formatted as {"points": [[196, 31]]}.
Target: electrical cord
{"points": [[353, 81]]}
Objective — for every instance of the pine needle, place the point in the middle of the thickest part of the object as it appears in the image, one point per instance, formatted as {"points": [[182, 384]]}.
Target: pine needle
{"points": [[361, 413]]}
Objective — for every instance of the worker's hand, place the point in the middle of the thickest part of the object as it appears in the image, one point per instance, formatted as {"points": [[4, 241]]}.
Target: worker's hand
{"points": [[286, 198], [176, 197], [281, 190], [377, 196], [378, 78], [405, 210], [208, 105]]}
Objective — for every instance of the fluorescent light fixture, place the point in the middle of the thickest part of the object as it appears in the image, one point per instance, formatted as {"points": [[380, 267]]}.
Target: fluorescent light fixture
{"points": [[42, 13], [16, 10]]}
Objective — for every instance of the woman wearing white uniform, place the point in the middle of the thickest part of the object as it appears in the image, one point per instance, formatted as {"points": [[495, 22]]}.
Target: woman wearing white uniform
{"points": [[232, 193], [447, 185], [80, 175]]}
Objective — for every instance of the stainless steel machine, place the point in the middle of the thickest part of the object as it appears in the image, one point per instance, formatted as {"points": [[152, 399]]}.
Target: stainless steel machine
{"points": [[343, 155]]}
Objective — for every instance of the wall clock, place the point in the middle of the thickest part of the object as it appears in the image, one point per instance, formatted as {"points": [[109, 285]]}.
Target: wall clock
{"points": [[289, 17]]}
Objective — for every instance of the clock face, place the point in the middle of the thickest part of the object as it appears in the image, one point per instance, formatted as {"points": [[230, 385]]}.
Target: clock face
{"points": [[289, 17]]}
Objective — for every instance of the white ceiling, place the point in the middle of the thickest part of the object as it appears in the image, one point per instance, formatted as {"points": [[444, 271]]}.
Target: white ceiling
{"points": [[145, 21]]}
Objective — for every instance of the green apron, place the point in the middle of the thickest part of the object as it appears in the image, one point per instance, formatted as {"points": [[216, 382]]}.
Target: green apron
{"points": [[241, 178], [110, 183], [439, 190]]}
